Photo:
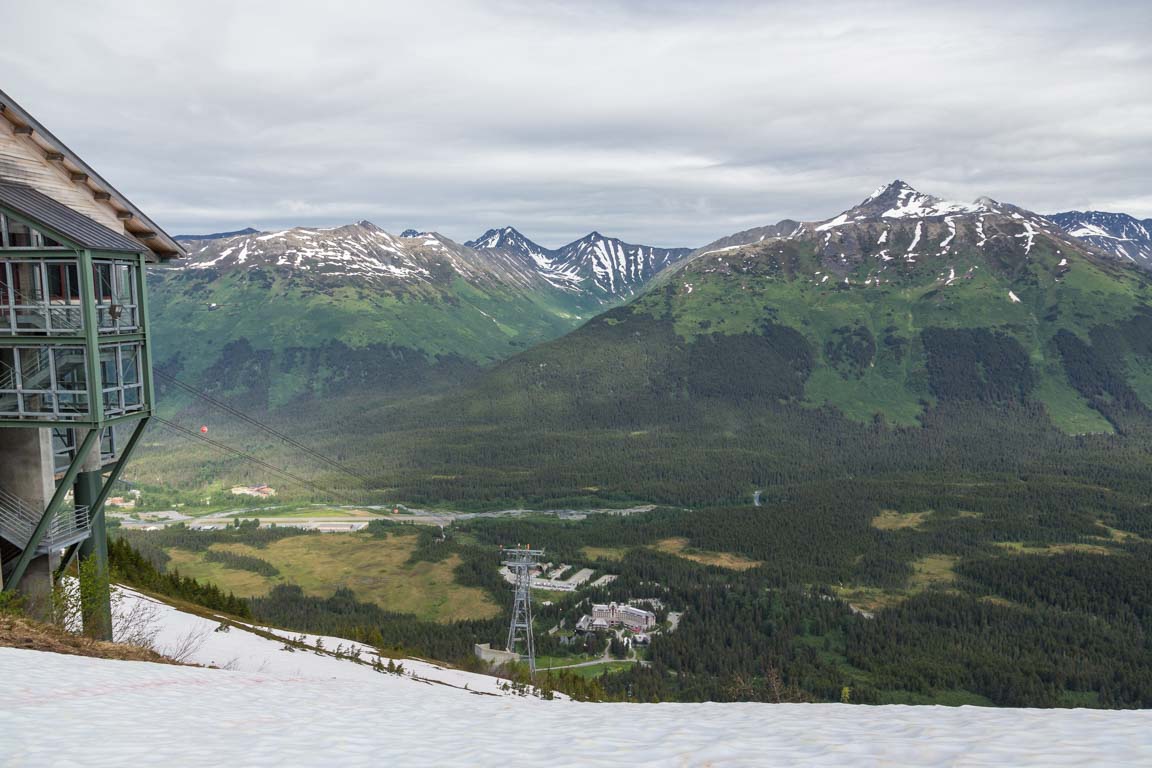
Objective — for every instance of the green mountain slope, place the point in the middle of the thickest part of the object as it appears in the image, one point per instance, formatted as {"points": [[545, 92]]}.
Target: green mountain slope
{"points": [[909, 338], [270, 318], [906, 335]]}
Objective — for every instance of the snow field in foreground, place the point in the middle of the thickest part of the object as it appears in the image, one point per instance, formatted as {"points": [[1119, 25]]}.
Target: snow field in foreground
{"points": [[194, 640], [273, 706], [65, 710]]}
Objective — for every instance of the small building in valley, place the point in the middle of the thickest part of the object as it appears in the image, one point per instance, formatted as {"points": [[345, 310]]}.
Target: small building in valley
{"points": [[612, 615], [259, 491]]}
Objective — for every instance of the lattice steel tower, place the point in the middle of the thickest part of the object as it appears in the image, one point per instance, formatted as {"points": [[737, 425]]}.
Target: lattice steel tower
{"points": [[521, 562]]}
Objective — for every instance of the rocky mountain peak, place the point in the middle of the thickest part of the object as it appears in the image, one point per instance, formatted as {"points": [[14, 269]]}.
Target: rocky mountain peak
{"points": [[899, 200], [1124, 236]]}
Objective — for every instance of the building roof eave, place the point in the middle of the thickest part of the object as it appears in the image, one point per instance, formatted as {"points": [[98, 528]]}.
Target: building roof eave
{"points": [[138, 225]]}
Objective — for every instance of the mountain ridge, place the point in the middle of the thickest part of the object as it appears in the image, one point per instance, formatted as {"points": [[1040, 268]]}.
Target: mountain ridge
{"points": [[1122, 235], [606, 266]]}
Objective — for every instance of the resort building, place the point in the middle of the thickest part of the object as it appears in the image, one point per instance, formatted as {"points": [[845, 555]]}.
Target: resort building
{"points": [[612, 615]]}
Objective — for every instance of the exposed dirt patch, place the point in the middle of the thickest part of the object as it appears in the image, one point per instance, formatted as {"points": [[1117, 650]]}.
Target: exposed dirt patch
{"points": [[891, 520], [614, 554], [679, 546], [17, 632]]}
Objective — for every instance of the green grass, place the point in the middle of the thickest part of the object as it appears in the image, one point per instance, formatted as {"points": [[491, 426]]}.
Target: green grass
{"points": [[545, 662], [378, 570], [1067, 409], [596, 670]]}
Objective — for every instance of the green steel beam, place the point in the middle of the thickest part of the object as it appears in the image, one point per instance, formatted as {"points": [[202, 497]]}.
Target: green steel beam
{"points": [[145, 324], [39, 341], [36, 254], [62, 488], [95, 583], [66, 560], [110, 338], [118, 467], [81, 423], [92, 337], [106, 490]]}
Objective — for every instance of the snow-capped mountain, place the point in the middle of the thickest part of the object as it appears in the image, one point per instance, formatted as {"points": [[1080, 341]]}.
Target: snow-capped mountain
{"points": [[898, 227], [410, 307], [603, 265], [1118, 233], [362, 252]]}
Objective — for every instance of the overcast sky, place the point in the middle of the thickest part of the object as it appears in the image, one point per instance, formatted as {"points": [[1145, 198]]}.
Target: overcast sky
{"points": [[670, 123]]}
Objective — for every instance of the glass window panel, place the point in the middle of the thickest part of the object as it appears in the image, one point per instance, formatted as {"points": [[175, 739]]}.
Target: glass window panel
{"points": [[102, 277], [72, 276], [9, 402], [73, 402], [19, 235], [7, 368], [123, 284], [35, 368], [112, 402], [56, 282], [68, 320], [71, 368], [31, 318], [130, 363], [38, 402], [28, 282], [133, 397], [63, 439], [109, 367]]}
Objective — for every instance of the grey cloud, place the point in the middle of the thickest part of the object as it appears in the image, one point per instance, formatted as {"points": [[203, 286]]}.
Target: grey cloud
{"points": [[668, 123]]}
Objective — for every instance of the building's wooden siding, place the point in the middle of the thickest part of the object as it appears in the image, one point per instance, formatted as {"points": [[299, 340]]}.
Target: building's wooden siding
{"points": [[22, 161]]}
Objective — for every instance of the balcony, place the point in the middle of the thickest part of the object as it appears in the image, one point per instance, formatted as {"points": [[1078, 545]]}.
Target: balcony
{"points": [[44, 297]]}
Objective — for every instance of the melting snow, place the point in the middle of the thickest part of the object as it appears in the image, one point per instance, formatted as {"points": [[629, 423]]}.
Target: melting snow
{"points": [[980, 232], [841, 219], [916, 236], [1030, 233], [913, 204], [73, 710], [1015, 299], [883, 238], [722, 250], [951, 222]]}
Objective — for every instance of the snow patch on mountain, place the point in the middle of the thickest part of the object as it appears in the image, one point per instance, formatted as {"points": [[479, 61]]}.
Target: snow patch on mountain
{"points": [[606, 265]]}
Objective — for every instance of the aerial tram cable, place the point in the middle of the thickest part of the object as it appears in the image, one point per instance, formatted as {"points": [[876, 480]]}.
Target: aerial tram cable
{"points": [[255, 423], [248, 457], [259, 425]]}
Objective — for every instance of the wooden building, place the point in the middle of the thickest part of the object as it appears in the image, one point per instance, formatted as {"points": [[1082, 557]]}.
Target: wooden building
{"points": [[75, 362]]}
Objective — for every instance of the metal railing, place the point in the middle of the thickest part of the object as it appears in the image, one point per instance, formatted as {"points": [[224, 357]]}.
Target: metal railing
{"points": [[18, 522]]}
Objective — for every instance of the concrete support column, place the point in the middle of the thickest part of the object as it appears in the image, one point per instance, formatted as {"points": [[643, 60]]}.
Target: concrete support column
{"points": [[95, 599], [27, 471]]}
